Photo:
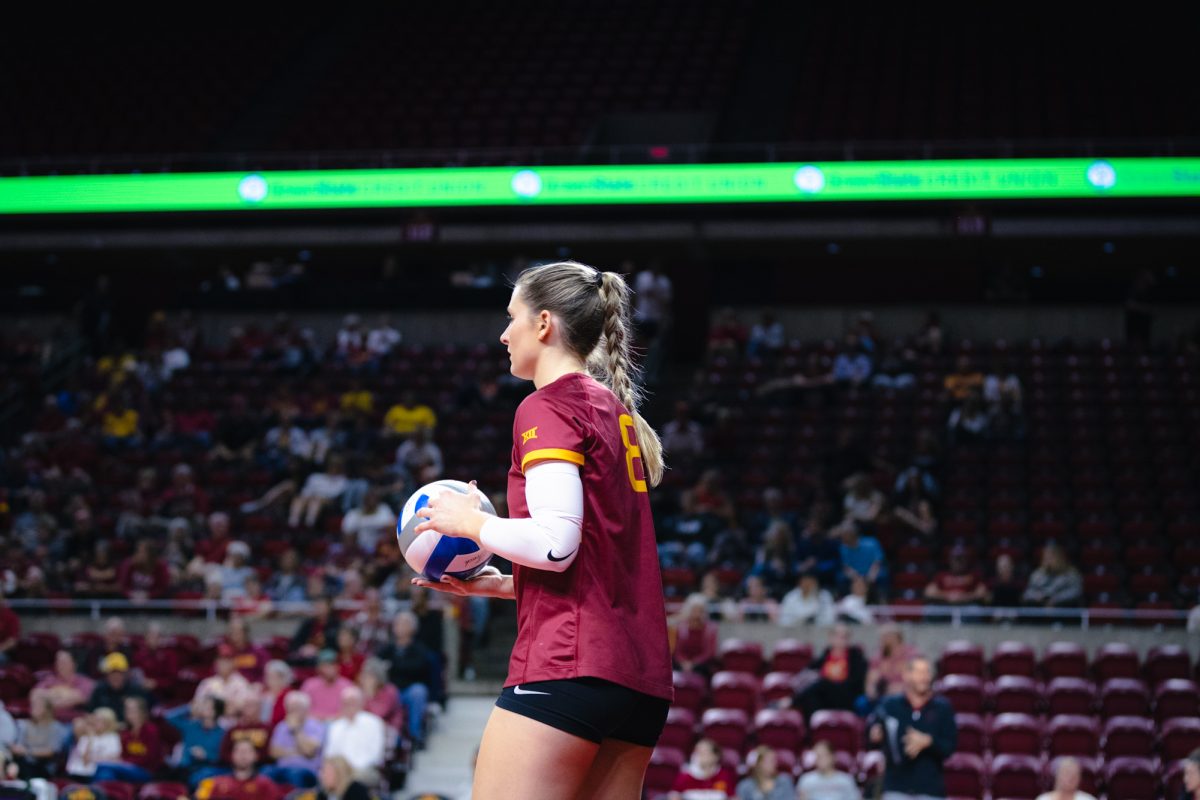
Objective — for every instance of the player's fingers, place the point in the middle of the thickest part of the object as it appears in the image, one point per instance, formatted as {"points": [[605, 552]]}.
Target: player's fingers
{"points": [[424, 526]]}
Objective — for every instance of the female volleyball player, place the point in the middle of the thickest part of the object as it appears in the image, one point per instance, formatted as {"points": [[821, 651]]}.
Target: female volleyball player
{"points": [[589, 680]]}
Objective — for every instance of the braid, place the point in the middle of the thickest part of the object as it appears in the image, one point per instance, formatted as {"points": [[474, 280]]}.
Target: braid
{"points": [[612, 354]]}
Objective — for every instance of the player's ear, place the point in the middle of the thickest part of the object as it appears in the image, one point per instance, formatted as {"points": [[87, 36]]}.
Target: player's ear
{"points": [[543, 325]]}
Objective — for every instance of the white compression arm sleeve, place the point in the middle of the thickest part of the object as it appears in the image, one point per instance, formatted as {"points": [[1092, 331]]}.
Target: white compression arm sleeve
{"points": [[550, 537]]}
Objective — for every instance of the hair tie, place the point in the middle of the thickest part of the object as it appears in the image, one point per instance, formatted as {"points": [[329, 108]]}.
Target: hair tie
{"points": [[599, 279]]}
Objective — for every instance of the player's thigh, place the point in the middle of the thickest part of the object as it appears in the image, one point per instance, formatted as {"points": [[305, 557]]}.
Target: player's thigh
{"points": [[521, 757], [617, 772]]}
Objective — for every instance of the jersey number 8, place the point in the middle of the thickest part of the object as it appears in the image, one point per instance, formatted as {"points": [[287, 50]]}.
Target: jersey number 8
{"points": [[632, 451]]}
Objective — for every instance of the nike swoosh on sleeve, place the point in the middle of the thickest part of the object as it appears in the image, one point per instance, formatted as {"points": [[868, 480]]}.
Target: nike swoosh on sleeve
{"points": [[550, 555]]}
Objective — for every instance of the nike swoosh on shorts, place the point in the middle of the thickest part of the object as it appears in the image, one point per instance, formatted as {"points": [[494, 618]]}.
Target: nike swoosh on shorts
{"points": [[518, 690]]}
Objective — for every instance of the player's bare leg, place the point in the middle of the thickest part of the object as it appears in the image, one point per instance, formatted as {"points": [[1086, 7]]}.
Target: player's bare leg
{"points": [[617, 772], [521, 757]]}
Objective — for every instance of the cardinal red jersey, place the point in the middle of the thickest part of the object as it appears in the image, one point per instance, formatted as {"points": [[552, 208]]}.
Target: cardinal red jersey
{"points": [[603, 617]]}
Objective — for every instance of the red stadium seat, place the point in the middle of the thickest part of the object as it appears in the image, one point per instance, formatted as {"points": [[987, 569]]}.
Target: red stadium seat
{"points": [[965, 775], [1167, 661], [736, 690], [972, 734], [1128, 736], [1014, 658], [1131, 778], [728, 727], [1176, 697], [1089, 778], [791, 655], [690, 690], [778, 686], [1019, 734], [680, 730], [1015, 694], [961, 658], [1064, 660], [785, 761], [117, 790], [1065, 695], [1124, 697], [1014, 776], [1173, 779], [782, 729], [1179, 737], [162, 791], [965, 693], [665, 763], [871, 764], [737, 655], [1072, 735], [1116, 660], [842, 729]]}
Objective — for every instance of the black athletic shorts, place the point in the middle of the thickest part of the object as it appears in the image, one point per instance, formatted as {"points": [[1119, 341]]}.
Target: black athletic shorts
{"points": [[591, 708]]}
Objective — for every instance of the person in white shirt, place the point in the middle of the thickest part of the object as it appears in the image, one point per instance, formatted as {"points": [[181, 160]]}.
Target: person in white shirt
{"points": [[382, 338], [683, 436], [96, 740], [226, 682], [1066, 782], [853, 607], [370, 521], [826, 782], [807, 604], [358, 736], [420, 456], [321, 489]]}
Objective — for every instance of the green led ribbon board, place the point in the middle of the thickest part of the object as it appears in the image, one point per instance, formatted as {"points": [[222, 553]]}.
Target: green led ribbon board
{"points": [[991, 179]]}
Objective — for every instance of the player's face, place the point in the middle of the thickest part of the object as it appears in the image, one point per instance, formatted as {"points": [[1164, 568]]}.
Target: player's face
{"points": [[520, 337], [1191, 776]]}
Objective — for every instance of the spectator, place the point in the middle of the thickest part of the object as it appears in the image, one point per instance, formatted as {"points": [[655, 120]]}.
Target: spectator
{"points": [[243, 783], [727, 335], [116, 686], [248, 727], [757, 605], [776, 558], [158, 663], [773, 511], [350, 659], [918, 732], [913, 506], [212, 548], [703, 777], [687, 536], [411, 671], [695, 637], [141, 747], [296, 744], [1006, 588], [807, 604], [853, 607], [65, 688], [319, 491], [862, 557], [682, 436], [119, 424], [248, 658], [41, 738], [763, 780], [965, 381], [930, 336], [959, 585], [253, 602], [200, 738], [358, 736], [1054, 584], [350, 345], [285, 441], [324, 689], [853, 366], [840, 676], [863, 502], [8, 728], [732, 549], [1006, 422], [96, 741], [382, 338], [885, 674], [277, 682], [1066, 782], [226, 682], [370, 522], [1191, 777], [817, 551], [372, 627], [357, 400], [234, 571], [826, 782], [896, 369], [767, 337], [183, 498], [287, 584], [144, 576], [99, 578], [969, 422], [652, 302], [380, 697], [814, 380], [337, 782], [316, 632], [710, 497], [406, 416], [419, 456], [1002, 389]]}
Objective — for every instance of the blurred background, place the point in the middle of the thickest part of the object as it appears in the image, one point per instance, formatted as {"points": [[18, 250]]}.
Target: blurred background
{"points": [[963, 423]]}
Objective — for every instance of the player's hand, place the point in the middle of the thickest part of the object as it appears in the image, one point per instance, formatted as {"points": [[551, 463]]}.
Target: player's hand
{"points": [[453, 514], [876, 733], [488, 583]]}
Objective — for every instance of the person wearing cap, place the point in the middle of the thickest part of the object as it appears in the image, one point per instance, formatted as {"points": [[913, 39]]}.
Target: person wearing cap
{"points": [[116, 686], [226, 682], [324, 689]]}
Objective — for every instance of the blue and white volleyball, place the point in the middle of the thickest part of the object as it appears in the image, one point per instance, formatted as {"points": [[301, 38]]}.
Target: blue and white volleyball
{"points": [[430, 553]]}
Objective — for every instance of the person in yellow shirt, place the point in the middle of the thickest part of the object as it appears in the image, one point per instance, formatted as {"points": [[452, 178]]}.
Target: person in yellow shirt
{"points": [[406, 416], [119, 425], [964, 381], [358, 399]]}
